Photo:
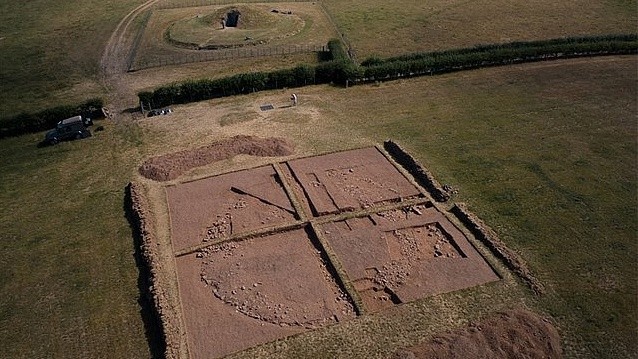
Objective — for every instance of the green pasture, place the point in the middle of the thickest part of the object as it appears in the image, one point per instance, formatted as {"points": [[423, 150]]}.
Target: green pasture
{"points": [[50, 51], [545, 153], [387, 28], [69, 282]]}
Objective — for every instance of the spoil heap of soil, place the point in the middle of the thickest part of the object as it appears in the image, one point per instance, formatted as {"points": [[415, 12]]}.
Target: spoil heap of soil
{"points": [[171, 166], [511, 334]]}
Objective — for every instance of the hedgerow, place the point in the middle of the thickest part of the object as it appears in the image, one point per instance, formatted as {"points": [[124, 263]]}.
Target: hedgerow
{"points": [[336, 50], [342, 71], [46, 119], [492, 55]]}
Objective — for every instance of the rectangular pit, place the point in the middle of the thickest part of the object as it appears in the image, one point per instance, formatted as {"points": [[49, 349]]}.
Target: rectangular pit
{"points": [[215, 208], [349, 180], [251, 270], [405, 254]]}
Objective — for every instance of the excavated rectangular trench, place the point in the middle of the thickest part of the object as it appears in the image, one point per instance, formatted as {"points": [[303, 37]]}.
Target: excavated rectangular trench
{"points": [[273, 251]]}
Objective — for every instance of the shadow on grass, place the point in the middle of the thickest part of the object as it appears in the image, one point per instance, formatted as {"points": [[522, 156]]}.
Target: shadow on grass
{"points": [[132, 110], [152, 325]]}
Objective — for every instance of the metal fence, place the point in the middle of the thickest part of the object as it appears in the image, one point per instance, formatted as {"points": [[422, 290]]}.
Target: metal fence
{"points": [[352, 54], [175, 4], [138, 61], [226, 54]]}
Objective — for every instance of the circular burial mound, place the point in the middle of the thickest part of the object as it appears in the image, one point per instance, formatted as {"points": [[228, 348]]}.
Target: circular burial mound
{"points": [[171, 166], [234, 26], [511, 334]]}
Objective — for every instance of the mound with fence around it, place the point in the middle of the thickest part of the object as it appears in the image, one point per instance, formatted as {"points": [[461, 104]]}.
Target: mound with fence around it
{"points": [[182, 34], [234, 26]]}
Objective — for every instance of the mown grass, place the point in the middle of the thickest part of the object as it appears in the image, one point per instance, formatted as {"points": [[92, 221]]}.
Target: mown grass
{"points": [[69, 278], [388, 28], [50, 51]]}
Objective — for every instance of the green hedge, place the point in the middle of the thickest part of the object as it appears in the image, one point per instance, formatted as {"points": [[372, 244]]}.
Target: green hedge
{"points": [[338, 69], [341, 70], [337, 51], [47, 119], [493, 55], [204, 89]]}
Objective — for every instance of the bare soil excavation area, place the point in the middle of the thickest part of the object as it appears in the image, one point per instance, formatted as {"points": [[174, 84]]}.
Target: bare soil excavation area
{"points": [[350, 180], [218, 207], [405, 254], [236, 295], [268, 252]]}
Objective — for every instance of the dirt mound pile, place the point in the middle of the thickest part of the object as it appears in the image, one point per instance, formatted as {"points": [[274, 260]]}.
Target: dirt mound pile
{"points": [[171, 166], [511, 334]]}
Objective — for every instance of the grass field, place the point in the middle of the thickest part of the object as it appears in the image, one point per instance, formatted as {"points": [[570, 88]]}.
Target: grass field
{"points": [[384, 28], [69, 279], [48, 57], [50, 51], [545, 153]]}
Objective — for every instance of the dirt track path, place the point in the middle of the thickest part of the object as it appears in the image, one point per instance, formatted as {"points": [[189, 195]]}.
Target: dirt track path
{"points": [[114, 63]]}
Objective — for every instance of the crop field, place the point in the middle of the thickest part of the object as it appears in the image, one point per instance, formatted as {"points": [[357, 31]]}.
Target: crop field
{"points": [[544, 153]]}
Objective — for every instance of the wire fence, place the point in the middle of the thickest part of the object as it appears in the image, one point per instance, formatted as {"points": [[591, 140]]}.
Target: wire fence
{"points": [[175, 4], [352, 54], [226, 54], [138, 61]]}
